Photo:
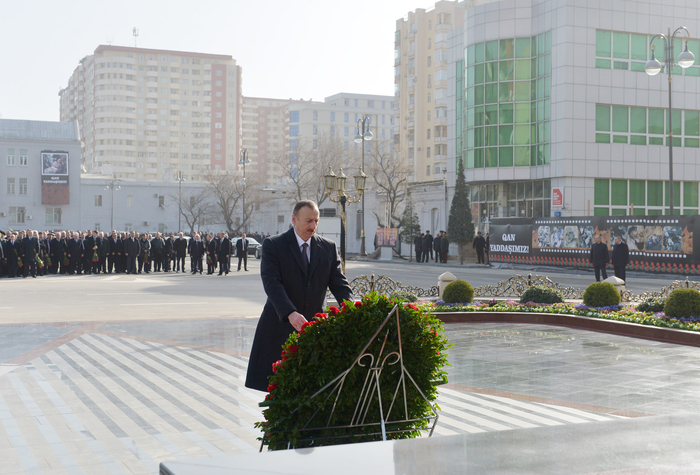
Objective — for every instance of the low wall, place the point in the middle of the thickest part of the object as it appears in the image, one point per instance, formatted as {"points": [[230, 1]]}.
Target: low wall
{"points": [[668, 335]]}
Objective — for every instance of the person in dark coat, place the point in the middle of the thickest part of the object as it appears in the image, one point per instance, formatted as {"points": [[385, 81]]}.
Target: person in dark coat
{"points": [[168, 252], [30, 251], [620, 258], [114, 253], [225, 249], [55, 252], [144, 255], [599, 258], [196, 250], [427, 247], [132, 248], [444, 247], [479, 244], [158, 247], [242, 251], [180, 250], [436, 246], [297, 268], [487, 248], [212, 249], [12, 250], [418, 243]]}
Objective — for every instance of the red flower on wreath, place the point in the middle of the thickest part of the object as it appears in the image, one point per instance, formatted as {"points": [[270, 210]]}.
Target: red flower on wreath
{"points": [[271, 387], [276, 365], [358, 304], [333, 310], [321, 316], [268, 397], [294, 348], [412, 307], [306, 325]]}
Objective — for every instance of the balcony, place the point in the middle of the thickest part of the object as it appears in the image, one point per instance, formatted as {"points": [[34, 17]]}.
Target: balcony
{"points": [[443, 27], [411, 124], [440, 102], [397, 61], [440, 45], [411, 106], [440, 120], [397, 78], [440, 158], [440, 139]]}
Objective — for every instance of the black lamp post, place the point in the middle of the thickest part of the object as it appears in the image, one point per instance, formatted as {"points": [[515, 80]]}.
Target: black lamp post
{"points": [[363, 134], [243, 161], [337, 183], [653, 67]]}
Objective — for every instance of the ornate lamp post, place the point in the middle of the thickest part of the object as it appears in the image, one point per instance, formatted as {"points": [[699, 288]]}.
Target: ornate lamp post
{"points": [[363, 134], [113, 185], [337, 183], [653, 67], [243, 161], [180, 178]]}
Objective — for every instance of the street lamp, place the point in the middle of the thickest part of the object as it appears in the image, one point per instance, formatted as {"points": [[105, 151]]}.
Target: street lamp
{"points": [[112, 184], [180, 178], [243, 161], [363, 134], [653, 67], [337, 183]]}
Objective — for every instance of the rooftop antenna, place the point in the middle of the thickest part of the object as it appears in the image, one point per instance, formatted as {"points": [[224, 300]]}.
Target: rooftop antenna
{"points": [[136, 35]]}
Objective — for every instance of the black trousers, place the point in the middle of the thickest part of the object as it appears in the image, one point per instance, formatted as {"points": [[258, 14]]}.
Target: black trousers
{"points": [[113, 262], [131, 264], [419, 256], [479, 256], [598, 270], [243, 257], [621, 272], [196, 265], [29, 267], [179, 260], [224, 264]]}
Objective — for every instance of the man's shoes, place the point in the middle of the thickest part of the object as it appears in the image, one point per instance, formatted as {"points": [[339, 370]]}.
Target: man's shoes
{"points": [[246, 270]]}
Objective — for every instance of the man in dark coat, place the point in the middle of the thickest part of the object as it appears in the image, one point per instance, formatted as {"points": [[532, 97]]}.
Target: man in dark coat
{"points": [[55, 252], [158, 247], [132, 248], [242, 251], [30, 251], [180, 250], [418, 243], [144, 253], [444, 247], [196, 250], [599, 258], [114, 255], [479, 244], [225, 254], [168, 252], [297, 268], [427, 247], [436, 246], [12, 250], [620, 258]]}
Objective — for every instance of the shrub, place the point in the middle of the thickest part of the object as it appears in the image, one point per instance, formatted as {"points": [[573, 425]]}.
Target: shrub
{"points": [[403, 295], [601, 294], [683, 303], [652, 305], [541, 294], [458, 291]]}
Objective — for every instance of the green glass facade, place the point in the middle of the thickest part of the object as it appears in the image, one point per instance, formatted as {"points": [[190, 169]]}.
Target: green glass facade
{"points": [[459, 110], [646, 126], [630, 52], [506, 102], [643, 197]]}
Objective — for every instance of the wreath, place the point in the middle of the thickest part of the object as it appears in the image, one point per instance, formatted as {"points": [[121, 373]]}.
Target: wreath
{"points": [[328, 346], [39, 262]]}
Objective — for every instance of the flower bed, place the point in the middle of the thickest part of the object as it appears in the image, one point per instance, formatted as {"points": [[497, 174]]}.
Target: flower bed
{"points": [[620, 313]]}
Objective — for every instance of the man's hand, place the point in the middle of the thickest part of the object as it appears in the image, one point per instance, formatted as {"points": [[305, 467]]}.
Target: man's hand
{"points": [[297, 320]]}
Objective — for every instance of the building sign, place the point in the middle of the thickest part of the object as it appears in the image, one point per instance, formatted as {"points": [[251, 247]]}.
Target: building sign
{"points": [[55, 188], [557, 197], [656, 243], [387, 237]]}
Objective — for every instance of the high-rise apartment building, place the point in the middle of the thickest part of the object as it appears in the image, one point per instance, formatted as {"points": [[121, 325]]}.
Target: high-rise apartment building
{"points": [[146, 114], [421, 53]]}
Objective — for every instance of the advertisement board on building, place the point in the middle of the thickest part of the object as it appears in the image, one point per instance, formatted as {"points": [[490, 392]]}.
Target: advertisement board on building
{"points": [[387, 237], [557, 197], [656, 243], [55, 185]]}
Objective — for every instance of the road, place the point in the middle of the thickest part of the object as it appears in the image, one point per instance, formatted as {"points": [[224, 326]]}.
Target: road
{"points": [[159, 296]]}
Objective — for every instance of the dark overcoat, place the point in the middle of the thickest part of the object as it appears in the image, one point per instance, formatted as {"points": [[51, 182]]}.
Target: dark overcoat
{"points": [[620, 255], [599, 255], [291, 287]]}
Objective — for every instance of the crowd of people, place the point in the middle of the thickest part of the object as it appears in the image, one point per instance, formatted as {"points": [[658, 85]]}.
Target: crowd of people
{"points": [[425, 245], [31, 253]]}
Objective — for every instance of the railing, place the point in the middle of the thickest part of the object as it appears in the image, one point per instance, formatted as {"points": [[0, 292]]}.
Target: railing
{"points": [[513, 287]]}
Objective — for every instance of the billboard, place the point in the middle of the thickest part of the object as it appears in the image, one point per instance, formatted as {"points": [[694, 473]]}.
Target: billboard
{"points": [[387, 237], [55, 189], [656, 243]]}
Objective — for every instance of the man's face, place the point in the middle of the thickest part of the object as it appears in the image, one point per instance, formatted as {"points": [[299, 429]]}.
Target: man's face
{"points": [[618, 240], [63, 235], [133, 234], [243, 236], [180, 235], [597, 239], [157, 235], [305, 222]]}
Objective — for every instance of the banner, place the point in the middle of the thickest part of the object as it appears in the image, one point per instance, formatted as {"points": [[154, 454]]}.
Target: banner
{"points": [[55, 189], [387, 237], [656, 243]]}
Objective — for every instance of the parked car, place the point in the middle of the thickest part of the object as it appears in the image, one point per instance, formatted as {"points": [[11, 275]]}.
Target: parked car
{"points": [[254, 247]]}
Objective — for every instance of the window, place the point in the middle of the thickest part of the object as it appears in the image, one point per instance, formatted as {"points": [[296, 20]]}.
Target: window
{"points": [[294, 116], [332, 116], [53, 216], [427, 153], [11, 156], [10, 186], [315, 129], [129, 201], [315, 115], [22, 186], [23, 158], [161, 201], [427, 170], [347, 117], [17, 214]]}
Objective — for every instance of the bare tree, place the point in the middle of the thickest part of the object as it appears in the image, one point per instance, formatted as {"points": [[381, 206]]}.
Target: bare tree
{"points": [[195, 206], [306, 165], [389, 174], [227, 189]]}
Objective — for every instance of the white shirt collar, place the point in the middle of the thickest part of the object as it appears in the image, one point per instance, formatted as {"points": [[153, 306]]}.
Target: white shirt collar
{"points": [[300, 241]]}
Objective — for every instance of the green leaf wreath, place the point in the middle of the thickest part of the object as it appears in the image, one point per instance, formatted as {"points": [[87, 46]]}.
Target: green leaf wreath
{"points": [[327, 346]]}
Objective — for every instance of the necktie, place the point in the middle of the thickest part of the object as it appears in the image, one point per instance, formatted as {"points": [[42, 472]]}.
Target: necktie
{"points": [[304, 257]]}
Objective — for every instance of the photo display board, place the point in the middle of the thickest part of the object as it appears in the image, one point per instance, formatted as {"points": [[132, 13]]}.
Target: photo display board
{"points": [[55, 185]]}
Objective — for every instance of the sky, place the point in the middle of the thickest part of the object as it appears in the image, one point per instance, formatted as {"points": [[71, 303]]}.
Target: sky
{"points": [[308, 49]]}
